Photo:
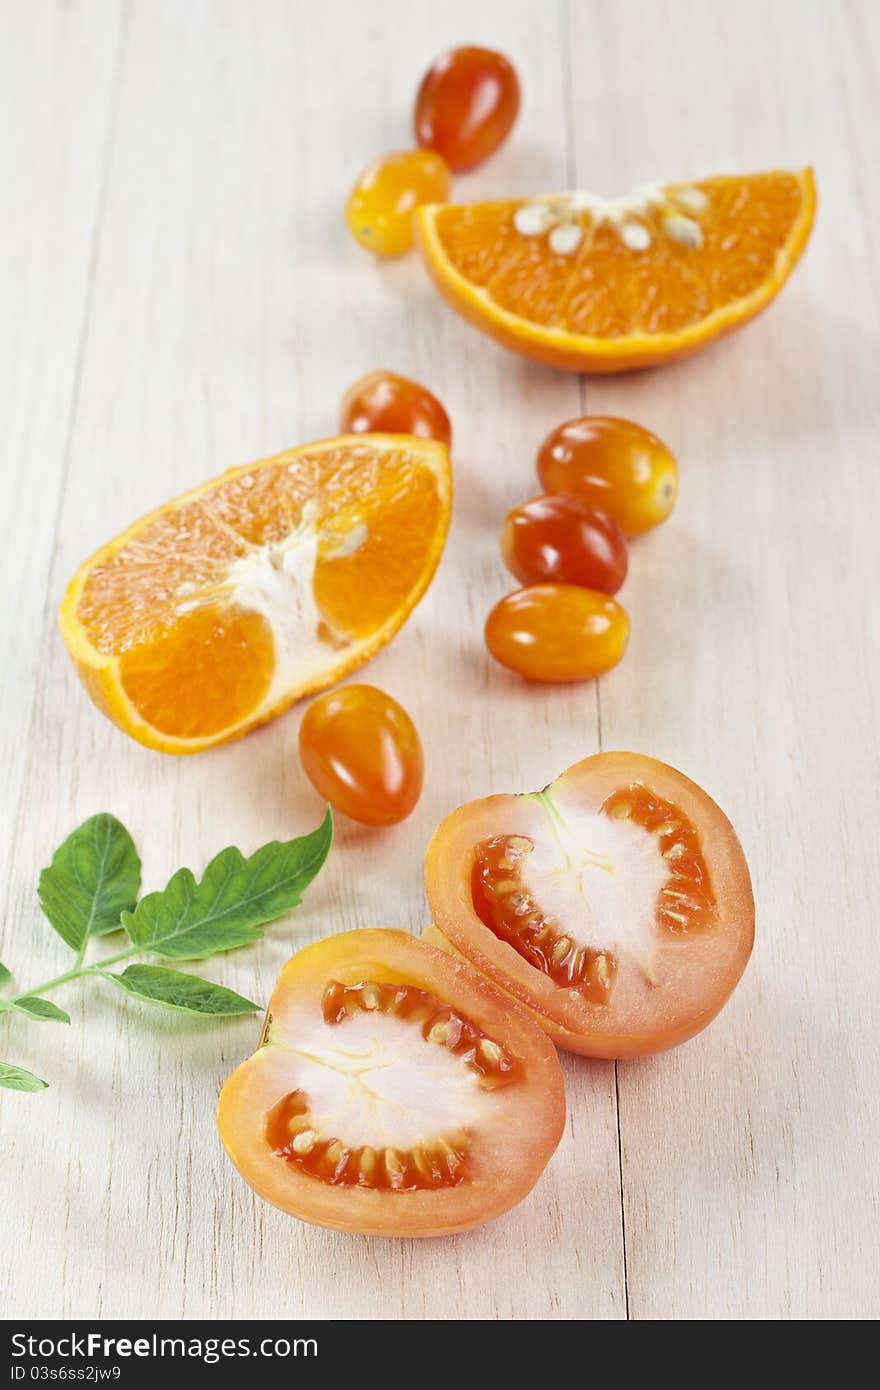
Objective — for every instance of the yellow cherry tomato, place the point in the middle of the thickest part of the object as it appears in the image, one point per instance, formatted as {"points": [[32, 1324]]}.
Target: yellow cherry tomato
{"points": [[557, 632], [380, 207], [615, 465]]}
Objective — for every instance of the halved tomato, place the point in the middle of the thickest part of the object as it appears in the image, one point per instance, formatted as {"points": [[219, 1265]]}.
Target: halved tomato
{"points": [[616, 904], [395, 1091]]}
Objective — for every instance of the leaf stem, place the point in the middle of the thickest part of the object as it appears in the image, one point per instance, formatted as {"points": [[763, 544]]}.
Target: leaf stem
{"points": [[76, 972]]}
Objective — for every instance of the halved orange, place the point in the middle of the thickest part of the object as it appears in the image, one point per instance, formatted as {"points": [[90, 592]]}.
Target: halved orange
{"points": [[596, 286], [221, 608]]}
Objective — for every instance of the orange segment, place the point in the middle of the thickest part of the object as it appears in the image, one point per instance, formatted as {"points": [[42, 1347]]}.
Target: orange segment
{"points": [[199, 676], [222, 607], [597, 286], [356, 586]]}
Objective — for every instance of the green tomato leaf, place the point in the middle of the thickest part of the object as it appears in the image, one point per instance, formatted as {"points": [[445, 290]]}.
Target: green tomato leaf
{"points": [[94, 877], [17, 1079], [156, 984], [5, 974], [43, 1010], [189, 920]]}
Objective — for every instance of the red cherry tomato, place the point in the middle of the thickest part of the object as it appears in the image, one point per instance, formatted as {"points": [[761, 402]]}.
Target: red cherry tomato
{"points": [[466, 105], [384, 403], [362, 753], [379, 211], [561, 540], [615, 465], [557, 632]]}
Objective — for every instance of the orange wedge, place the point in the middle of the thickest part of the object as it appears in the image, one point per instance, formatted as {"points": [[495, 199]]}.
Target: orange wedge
{"points": [[221, 608], [596, 286]]}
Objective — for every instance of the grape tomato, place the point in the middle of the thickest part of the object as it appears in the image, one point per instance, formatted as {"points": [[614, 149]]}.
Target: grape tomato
{"points": [[379, 211], [362, 753], [466, 105], [557, 632], [615, 465], [385, 403], [560, 539]]}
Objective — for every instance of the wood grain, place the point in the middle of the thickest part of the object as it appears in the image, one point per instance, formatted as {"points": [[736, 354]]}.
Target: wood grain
{"points": [[746, 1155], [59, 71], [183, 297]]}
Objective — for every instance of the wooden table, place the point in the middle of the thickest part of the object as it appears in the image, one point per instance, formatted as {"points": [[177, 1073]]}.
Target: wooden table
{"points": [[180, 295]]}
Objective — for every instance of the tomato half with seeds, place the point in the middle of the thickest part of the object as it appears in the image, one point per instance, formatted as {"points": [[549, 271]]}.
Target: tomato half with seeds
{"points": [[616, 904], [395, 1091]]}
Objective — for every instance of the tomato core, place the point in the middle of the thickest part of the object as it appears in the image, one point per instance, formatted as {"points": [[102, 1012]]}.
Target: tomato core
{"points": [[295, 1135], [512, 909], [505, 905]]}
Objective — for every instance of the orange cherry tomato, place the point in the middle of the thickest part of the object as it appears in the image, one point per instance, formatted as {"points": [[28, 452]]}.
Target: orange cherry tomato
{"points": [[466, 105], [385, 403], [362, 753], [615, 465], [380, 207], [560, 539], [616, 904], [395, 1091], [557, 632]]}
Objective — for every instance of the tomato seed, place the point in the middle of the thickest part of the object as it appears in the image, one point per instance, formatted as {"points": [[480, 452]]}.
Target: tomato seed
{"points": [[304, 1143]]}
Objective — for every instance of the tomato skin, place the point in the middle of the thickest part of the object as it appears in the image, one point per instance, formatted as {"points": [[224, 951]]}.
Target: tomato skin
{"points": [[508, 1154], [385, 403], [362, 753], [466, 105], [557, 632], [380, 206], [695, 975], [560, 539], [615, 465]]}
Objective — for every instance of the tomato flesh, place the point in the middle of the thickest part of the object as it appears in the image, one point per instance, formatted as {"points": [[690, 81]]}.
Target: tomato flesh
{"points": [[560, 539], [466, 105], [379, 211], [395, 1090], [615, 465], [362, 753], [616, 904], [557, 632], [385, 403]]}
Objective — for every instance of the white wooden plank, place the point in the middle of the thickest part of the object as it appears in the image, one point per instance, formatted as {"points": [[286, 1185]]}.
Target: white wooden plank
{"points": [[58, 66], [229, 312], [751, 1183]]}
